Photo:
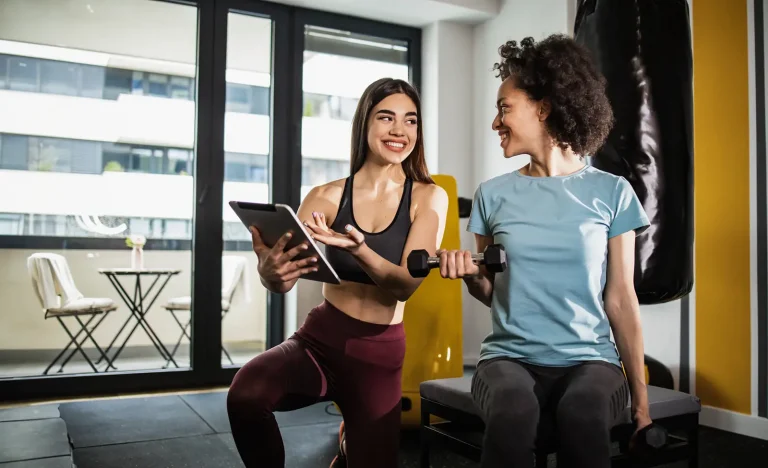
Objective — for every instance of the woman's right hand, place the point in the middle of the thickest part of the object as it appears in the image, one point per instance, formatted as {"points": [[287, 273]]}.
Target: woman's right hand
{"points": [[457, 264], [276, 266]]}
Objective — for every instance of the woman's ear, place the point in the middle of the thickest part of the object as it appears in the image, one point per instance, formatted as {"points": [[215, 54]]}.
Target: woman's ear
{"points": [[545, 107]]}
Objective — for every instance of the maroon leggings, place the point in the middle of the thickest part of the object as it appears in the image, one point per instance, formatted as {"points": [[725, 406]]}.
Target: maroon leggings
{"points": [[332, 357]]}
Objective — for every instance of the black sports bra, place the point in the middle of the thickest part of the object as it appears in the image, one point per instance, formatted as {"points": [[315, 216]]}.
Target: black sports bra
{"points": [[388, 243]]}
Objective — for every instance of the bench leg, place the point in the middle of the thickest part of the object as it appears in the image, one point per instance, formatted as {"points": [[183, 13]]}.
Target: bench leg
{"points": [[693, 441], [424, 442]]}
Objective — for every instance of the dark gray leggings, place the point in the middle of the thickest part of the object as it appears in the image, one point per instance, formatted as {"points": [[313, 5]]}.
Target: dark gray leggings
{"points": [[580, 403]]}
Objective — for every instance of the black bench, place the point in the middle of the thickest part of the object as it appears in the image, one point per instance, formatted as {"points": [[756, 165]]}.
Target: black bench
{"points": [[449, 417]]}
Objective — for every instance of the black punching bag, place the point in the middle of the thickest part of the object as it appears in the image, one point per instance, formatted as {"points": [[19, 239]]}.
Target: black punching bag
{"points": [[643, 47]]}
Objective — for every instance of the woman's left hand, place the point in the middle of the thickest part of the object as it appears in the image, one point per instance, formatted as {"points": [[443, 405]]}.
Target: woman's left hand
{"points": [[641, 420], [350, 241]]}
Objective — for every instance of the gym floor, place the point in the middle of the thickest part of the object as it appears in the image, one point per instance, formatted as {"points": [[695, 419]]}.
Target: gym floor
{"points": [[192, 431]]}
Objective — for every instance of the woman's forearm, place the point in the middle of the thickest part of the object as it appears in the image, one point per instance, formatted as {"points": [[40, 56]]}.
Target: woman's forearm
{"points": [[390, 277], [480, 287], [629, 341]]}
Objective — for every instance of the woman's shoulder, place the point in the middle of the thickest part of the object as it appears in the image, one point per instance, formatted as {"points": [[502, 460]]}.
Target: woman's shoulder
{"points": [[602, 175], [610, 184], [332, 189], [428, 196], [428, 192]]}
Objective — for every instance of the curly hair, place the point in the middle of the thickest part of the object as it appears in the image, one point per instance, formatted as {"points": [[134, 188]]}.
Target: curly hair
{"points": [[562, 71]]}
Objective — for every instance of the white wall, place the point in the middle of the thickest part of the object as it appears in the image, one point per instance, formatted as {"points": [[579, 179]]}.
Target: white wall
{"points": [[430, 92]]}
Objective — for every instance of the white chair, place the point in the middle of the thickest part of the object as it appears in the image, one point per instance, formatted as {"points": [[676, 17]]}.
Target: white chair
{"points": [[233, 272], [59, 297]]}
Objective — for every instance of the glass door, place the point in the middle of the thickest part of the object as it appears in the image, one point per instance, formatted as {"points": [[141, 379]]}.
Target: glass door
{"points": [[126, 128], [247, 148], [97, 157]]}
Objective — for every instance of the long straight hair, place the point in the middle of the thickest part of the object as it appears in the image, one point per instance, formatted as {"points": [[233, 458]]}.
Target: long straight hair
{"points": [[415, 165]]}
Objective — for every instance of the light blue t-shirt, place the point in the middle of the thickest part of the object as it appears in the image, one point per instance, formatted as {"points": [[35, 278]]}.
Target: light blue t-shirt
{"points": [[547, 307]]}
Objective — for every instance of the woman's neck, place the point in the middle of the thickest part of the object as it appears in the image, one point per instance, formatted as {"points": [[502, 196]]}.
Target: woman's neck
{"points": [[380, 175], [552, 162]]}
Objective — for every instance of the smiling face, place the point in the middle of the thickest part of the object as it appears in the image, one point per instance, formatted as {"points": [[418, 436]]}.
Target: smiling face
{"points": [[393, 128], [520, 121]]}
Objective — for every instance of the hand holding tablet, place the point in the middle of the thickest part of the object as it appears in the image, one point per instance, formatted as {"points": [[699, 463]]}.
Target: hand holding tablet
{"points": [[277, 265], [283, 257]]}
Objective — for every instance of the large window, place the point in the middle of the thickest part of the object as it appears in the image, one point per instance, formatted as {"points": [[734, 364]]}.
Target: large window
{"points": [[88, 152], [133, 123], [338, 66]]}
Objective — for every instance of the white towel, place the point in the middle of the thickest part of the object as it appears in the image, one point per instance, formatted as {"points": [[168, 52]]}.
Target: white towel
{"points": [[42, 282], [52, 280]]}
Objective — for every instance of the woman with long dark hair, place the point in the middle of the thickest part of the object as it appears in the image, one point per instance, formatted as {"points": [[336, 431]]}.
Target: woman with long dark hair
{"points": [[351, 347]]}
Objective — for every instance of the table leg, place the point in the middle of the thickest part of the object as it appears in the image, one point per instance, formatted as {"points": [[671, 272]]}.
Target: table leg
{"points": [[138, 311]]}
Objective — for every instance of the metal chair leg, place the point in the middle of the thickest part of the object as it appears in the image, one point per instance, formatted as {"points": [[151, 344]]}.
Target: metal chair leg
{"points": [[95, 344], [88, 333], [64, 350], [78, 345], [181, 337], [224, 350]]}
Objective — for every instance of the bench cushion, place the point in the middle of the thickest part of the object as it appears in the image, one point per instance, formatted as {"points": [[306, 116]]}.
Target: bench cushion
{"points": [[455, 393]]}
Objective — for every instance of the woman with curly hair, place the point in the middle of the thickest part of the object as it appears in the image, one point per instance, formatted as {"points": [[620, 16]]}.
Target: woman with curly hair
{"points": [[569, 234]]}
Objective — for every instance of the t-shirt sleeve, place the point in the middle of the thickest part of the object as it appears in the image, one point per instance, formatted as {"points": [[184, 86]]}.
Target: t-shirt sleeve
{"points": [[629, 214], [478, 218]]}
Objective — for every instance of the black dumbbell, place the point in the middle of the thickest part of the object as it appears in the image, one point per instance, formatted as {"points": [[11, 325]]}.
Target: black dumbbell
{"points": [[494, 258], [650, 438]]}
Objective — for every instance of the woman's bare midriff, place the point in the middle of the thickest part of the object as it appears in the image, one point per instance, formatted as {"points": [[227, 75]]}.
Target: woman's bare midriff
{"points": [[365, 302]]}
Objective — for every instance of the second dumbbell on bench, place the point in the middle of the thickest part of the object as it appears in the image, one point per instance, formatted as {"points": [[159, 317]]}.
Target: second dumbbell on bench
{"points": [[494, 258]]}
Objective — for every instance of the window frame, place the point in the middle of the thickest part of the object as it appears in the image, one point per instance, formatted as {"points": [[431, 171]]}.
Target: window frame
{"points": [[207, 244]]}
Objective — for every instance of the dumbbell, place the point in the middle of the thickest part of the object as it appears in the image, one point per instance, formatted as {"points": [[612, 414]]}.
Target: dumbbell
{"points": [[650, 438], [494, 258]]}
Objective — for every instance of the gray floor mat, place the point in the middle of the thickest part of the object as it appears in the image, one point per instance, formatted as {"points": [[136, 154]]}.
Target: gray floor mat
{"points": [[187, 452], [27, 440], [306, 447], [57, 462], [119, 421], [27, 413]]}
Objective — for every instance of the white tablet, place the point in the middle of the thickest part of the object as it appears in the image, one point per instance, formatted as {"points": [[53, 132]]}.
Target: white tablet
{"points": [[274, 220]]}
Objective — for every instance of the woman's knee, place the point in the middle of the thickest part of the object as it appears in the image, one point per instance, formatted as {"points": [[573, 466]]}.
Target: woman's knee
{"points": [[512, 409], [583, 410], [251, 391]]}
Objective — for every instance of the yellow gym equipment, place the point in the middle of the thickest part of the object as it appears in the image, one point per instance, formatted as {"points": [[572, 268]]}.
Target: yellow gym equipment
{"points": [[433, 321]]}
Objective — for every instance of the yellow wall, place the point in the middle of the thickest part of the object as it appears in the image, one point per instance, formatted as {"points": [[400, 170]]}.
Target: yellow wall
{"points": [[721, 177]]}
